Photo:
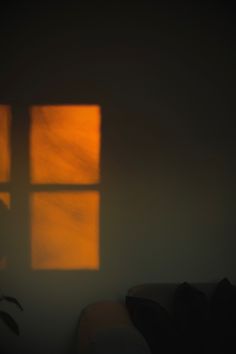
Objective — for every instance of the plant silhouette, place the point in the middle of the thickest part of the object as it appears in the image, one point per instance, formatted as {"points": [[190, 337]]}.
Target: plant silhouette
{"points": [[4, 250], [8, 319]]}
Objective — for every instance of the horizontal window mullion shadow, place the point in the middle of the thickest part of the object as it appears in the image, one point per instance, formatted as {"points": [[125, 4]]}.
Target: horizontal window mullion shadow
{"points": [[62, 187], [4, 187]]}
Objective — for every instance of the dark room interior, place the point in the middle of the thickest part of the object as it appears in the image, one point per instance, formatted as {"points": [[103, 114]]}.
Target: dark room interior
{"points": [[151, 183]]}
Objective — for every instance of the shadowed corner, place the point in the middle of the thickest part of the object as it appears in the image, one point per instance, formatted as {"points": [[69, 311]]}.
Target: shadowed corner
{"points": [[73, 348]]}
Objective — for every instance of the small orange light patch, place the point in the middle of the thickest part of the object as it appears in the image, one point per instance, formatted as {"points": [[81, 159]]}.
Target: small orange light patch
{"points": [[5, 199], [4, 143], [65, 144], [65, 230]]}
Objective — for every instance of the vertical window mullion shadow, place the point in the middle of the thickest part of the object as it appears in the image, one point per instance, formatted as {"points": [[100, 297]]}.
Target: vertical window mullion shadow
{"points": [[20, 131]]}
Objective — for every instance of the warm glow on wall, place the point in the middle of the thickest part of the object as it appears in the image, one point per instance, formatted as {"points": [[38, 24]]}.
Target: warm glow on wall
{"points": [[65, 144], [63, 186], [64, 151], [4, 143], [65, 230]]}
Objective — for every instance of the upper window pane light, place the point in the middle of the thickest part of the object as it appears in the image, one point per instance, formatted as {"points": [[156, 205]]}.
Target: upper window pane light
{"points": [[4, 143], [65, 144]]}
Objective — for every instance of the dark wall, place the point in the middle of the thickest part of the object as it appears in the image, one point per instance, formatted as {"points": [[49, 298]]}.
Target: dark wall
{"points": [[164, 75]]}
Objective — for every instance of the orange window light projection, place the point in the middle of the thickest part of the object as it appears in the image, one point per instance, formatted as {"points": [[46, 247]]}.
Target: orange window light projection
{"points": [[4, 207], [65, 230], [65, 144], [4, 143], [65, 148]]}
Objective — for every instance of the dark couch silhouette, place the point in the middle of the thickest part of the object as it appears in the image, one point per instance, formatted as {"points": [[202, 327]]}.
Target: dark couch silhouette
{"points": [[163, 318]]}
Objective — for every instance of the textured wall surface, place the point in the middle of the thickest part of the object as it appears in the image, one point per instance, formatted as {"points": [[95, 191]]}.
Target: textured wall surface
{"points": [[164, 78]]}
